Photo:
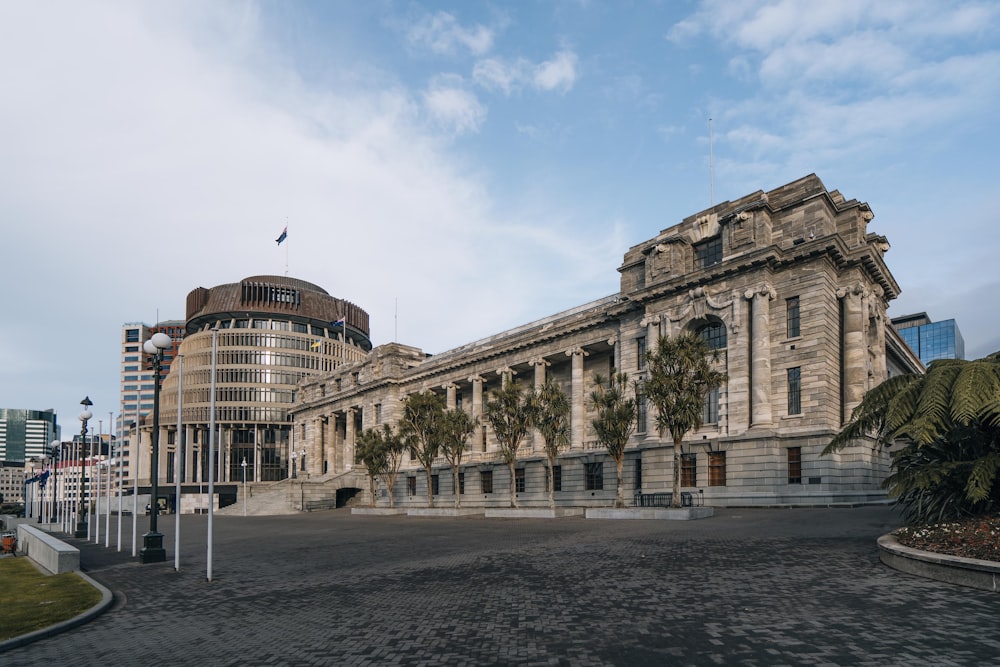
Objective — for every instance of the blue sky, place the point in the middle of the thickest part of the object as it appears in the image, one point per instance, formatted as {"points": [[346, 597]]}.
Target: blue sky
{"points": [[461, 168]]}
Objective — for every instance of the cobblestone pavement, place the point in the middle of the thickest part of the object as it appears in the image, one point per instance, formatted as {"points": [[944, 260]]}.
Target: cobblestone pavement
{"points": [[747, 587]]}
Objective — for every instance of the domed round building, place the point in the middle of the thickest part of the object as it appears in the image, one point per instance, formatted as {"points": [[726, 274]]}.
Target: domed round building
{"points": [[271, 332]]}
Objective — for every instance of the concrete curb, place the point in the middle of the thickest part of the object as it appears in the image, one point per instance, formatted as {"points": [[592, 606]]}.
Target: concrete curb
{"points": [[107, 598], [981, 574], [659, 513]]}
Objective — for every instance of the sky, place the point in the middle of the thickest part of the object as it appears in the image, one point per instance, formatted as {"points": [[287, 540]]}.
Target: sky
{"points": [[461, 168]]}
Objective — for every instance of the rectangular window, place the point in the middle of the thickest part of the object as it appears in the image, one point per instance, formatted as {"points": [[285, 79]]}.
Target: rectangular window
{"points": [[708, 253], [378, 412], [794, 465], [411, 486], [486, 481], [519, 480], [640, 352], [637, 475], [710, 412], [792, 316], [594, 476], [435, 489], [716, 468], [461, 483], [482, 437], [170, 466], [131, 335], [689, 470], [794, 391], [557, 478]]}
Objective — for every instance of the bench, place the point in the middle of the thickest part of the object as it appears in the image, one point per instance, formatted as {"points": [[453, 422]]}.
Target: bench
{"points": [[661, 499], [328, 504]]}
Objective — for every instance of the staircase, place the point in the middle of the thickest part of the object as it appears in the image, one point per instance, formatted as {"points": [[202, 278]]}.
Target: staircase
{"points": [[290, 496]]}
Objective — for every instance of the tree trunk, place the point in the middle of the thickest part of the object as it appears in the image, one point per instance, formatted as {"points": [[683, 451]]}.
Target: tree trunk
{"points": [[552, 487], [391, 503], [513, 494], [458, 497], [620, 492], [374, 490], [430, 491], [676, 500]]}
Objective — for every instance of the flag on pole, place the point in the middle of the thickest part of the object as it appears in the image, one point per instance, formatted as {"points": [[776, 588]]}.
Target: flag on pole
{"points": [[340, 321], [282, 236], [317, 343]]}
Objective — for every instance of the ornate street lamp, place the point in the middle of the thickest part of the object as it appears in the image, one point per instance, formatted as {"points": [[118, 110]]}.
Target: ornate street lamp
{"points": [[81, 520], [152, 542]]}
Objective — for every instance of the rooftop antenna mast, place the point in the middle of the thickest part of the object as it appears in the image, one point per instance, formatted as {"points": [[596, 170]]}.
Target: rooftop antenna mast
{"points": [[711, 167]]}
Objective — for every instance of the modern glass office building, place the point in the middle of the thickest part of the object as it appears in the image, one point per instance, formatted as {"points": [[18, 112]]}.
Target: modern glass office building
{"points": [[26, 433], [931, 340]]}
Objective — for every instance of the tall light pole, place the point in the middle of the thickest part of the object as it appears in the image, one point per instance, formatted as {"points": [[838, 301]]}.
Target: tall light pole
{"points": [[152, 542], [81, 521]]}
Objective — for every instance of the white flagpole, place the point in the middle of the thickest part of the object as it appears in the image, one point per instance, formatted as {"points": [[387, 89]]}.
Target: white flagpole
{"points": [[97, 496], [121, 479], [133, 465], [211, 456], [107, 504], [178, 465]]}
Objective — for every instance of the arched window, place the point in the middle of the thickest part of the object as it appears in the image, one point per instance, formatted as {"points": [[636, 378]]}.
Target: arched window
{"points": [[714, 335]]}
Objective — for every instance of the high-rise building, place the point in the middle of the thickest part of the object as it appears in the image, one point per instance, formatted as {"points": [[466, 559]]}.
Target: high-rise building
{"points": [[25, 434], [930, 340], [137, 378]]}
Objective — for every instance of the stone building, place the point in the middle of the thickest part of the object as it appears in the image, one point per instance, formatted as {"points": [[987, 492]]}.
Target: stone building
{"points": [[788, 285]]}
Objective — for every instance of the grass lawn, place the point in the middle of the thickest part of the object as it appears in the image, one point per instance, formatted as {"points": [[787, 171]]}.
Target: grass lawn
{"points": [[30, 600]]}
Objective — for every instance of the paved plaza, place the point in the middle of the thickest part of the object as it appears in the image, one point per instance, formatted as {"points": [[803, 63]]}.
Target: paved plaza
{"points": [[747, 587]]}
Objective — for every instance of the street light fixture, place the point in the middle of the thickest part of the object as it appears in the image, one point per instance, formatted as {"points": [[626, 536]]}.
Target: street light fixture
{"points": [[81, 521], [152, 542], [294, 457]]}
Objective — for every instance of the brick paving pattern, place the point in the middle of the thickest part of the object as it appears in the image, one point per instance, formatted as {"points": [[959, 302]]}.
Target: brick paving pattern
{"points": [[747, 587]]}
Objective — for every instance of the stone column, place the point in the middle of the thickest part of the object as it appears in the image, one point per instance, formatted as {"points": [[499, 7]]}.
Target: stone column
{"points": [[577, 410], [760, 393], [540, 364], [450, 398], [652, 324], [855, 353], [477, 396], [351, 439]]}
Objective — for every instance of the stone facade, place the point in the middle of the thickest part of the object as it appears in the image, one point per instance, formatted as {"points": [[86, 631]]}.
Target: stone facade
{"points": [[788, 285]]}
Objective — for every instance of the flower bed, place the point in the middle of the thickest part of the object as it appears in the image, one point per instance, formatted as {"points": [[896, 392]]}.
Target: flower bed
{"points": [[971, 538]]}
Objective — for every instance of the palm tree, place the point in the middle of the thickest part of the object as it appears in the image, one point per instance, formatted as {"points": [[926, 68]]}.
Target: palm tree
{"points": [[615, 419], [393, 447], [948, 421], [680, 375], [551, 412], [510, 411], [456, 427], [420, 428], [371, 451]]}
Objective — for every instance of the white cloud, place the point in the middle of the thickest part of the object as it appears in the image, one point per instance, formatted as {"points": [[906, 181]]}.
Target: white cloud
{"points": [[557, 74], [496, 74], [442, 33], [453, 107], [509, 76]]}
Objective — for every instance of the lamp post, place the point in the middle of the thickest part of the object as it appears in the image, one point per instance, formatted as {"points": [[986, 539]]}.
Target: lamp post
{"points": [[81, 521], [152, 542], [294, 458]]}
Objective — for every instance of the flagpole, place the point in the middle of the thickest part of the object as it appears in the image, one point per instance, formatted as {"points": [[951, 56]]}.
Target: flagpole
{"points": [[178, 466], [286, 249], [107, 504]]}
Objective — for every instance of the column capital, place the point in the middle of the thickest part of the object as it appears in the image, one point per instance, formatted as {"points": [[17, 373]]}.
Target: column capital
{"points": [[577, 351], [539, 361], [764, 290], [449, 385], [648, 320], [505, 370]]}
